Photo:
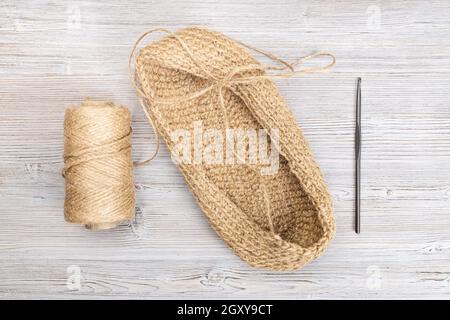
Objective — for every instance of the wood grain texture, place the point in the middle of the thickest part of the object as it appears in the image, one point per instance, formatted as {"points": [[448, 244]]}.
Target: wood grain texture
{"points": [[54, 53]]}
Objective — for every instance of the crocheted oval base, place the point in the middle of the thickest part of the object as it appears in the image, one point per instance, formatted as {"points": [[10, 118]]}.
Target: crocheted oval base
{"points": [[198, 79]]}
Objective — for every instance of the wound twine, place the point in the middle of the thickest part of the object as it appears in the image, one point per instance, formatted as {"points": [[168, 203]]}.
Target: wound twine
{"points": [[97, 165]]}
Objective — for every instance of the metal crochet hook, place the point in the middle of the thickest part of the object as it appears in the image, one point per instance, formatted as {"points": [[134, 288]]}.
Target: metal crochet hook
{"points": [[358, 159]]}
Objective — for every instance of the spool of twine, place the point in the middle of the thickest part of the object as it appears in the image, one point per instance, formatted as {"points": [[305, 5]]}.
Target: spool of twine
{"points": [[98, 167]]}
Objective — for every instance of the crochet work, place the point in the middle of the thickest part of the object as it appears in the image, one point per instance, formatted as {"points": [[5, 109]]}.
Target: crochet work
{"points": [[277, 222]]}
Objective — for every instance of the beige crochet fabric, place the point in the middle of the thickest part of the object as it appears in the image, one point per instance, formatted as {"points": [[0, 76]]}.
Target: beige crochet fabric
{"points": [[236, 198]]}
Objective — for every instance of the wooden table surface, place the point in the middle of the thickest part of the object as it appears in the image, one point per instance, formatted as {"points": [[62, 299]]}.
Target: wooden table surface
{"points": [[54, 53]]}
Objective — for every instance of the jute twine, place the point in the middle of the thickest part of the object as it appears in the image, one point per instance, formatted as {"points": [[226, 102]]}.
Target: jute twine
{"points": [[277, 222], [97, 165]]}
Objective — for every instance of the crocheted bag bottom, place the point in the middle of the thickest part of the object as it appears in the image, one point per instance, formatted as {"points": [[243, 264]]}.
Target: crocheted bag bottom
{"points": [[236, 198]]}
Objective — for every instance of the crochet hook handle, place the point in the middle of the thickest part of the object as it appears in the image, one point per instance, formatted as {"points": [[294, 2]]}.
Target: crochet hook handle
{"points": [[358, 159]]}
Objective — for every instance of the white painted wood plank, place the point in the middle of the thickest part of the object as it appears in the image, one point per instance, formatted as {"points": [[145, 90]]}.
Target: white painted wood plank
{"points": [[52, 54]]}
